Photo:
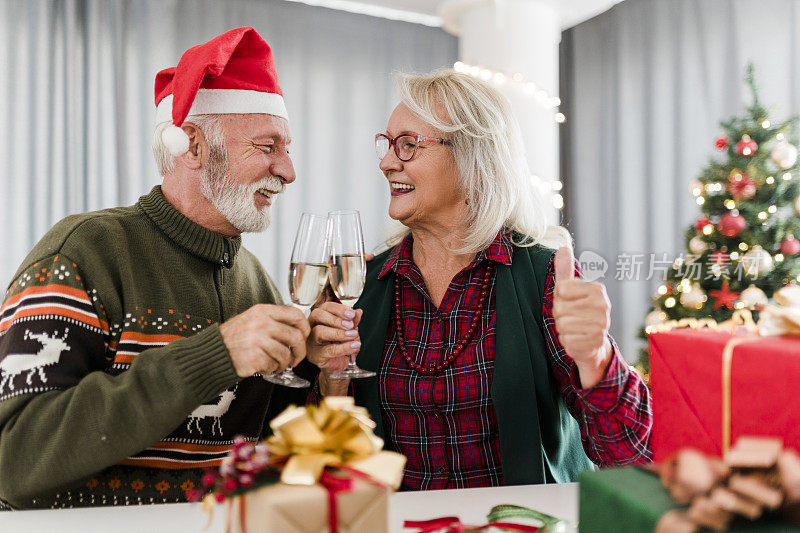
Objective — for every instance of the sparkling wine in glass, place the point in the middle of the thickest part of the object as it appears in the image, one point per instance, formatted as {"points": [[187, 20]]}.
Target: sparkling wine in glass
{"points": [[308, 271], [348, 270]]}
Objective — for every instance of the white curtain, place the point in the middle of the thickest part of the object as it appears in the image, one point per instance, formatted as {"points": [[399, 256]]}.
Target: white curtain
{"points": [[645, 85], [77, 110]]}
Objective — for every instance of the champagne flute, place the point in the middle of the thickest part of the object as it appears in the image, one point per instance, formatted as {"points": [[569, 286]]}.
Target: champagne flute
{"points": [[308, 270], [348, 270]]}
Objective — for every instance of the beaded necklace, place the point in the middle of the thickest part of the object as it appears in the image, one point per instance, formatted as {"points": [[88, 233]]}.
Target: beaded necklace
{"points": [[459, 347]]}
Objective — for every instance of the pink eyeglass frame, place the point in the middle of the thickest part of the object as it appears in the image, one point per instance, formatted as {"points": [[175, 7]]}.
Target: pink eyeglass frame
{"points": [[419, 138]]}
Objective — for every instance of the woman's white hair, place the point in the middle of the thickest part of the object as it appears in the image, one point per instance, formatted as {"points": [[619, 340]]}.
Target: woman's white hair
{"points": [[212, 130], [487, 146]]}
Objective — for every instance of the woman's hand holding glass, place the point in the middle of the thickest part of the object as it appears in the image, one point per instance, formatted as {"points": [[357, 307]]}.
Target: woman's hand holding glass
{"points": [[348, 271], [334, 338]]}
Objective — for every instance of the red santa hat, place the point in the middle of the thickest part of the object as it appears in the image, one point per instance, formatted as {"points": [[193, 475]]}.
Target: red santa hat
{"points": [[232, 73]]}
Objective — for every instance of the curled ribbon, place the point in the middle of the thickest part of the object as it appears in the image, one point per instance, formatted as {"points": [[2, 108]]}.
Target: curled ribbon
{"points": [[550, 524], [452, 524], [497, 518]]}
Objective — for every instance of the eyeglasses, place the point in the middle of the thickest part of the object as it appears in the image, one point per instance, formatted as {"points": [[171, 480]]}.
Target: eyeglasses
{"points": [[405, 145]]}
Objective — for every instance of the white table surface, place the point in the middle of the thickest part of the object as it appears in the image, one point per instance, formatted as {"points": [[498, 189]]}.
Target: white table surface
{"points": [[471, 505]]}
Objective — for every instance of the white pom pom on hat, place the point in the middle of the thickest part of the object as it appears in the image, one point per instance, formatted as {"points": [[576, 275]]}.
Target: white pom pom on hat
{"points": [[175, 139]]}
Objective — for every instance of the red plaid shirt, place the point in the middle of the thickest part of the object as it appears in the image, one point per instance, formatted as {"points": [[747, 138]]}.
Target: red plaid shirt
{"points": [[445, 424]]}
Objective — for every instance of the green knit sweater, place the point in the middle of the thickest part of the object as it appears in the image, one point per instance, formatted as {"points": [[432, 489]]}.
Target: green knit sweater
{"points": [[115, 385]]}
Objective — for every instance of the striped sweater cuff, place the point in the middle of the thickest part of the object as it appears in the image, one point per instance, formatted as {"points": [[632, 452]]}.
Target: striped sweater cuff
{"points": [[204, 362]]}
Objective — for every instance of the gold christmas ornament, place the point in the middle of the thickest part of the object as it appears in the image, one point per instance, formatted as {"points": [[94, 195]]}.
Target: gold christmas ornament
{"points": [[697, 245], [655, 317], [694, 298], [784, 155], [753, 297], [757, 261]]}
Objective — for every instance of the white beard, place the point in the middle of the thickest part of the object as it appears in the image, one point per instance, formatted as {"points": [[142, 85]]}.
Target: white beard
{"points": [[236, 202]]}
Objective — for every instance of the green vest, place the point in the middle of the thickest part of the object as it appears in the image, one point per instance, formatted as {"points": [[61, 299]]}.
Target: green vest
{"points": [[539, 440]]}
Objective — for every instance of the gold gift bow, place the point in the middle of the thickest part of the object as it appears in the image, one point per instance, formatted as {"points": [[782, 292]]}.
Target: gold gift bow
{"points": [[774, 320], [337, 433]]}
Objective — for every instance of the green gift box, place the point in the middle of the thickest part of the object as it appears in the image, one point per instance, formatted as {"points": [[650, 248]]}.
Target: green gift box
{"points": [[633, 500]]}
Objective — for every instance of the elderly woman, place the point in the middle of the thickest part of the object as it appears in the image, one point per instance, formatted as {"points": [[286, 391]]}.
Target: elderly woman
{"points": [[493, 359]]}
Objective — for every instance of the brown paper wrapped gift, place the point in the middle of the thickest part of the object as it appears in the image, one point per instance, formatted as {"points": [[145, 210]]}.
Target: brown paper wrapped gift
{"points": [[304, 509], [334, 476]]}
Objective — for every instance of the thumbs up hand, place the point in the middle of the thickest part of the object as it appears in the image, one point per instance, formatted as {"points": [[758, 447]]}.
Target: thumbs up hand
{"points": [[582, 317]]}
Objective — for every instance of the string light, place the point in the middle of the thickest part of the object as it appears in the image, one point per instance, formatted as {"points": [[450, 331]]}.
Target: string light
{"points": [[528, 87], [743, 246], [708, 229], [779, 136], [772, 209], [730, 204], [669, 302], [770, 179], [765, 124], [734, 256], [787, 176], [762, 215], [662, 290], [546, 186], [700, 200], [779, 258]]}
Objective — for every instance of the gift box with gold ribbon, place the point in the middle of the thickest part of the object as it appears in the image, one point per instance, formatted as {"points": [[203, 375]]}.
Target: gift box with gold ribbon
{"points": [[333, 475], [712, 383]]}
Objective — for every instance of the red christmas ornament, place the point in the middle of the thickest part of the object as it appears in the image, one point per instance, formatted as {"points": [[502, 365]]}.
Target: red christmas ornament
{"points": [[740, 185], [701, 223], [721, 143], [723, 297], [790, 246], [747, 146], [731, 225], [719, 257]]}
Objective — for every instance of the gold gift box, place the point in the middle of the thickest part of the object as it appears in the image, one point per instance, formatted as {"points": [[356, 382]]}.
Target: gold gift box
{"points": [[282, 508]]}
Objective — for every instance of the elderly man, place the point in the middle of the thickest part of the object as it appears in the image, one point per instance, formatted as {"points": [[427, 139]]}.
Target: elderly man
{"points": [[129, 337]]}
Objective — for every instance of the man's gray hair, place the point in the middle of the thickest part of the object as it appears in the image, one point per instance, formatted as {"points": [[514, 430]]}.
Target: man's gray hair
{"points": [[487, 146], [211, 125]]}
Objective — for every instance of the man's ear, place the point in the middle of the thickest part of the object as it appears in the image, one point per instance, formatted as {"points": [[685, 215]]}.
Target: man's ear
{"points": [[193, 158]]}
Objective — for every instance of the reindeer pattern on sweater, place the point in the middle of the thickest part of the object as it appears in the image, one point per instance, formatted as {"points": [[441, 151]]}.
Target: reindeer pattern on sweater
{"points": [[53, 331]]}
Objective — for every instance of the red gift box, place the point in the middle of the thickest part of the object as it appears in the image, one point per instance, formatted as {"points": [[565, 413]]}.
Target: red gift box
{"points": [[686, 372]]}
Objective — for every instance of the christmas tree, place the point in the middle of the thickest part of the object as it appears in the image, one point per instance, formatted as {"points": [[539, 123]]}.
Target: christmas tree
{"points": [[743, 247]]}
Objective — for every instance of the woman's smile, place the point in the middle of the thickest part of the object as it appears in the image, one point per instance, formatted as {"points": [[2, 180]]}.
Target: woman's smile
{"points": [[399, 189]]}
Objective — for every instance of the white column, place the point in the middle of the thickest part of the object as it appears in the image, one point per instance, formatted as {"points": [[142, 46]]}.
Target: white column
{"points": [[518, 38]]}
